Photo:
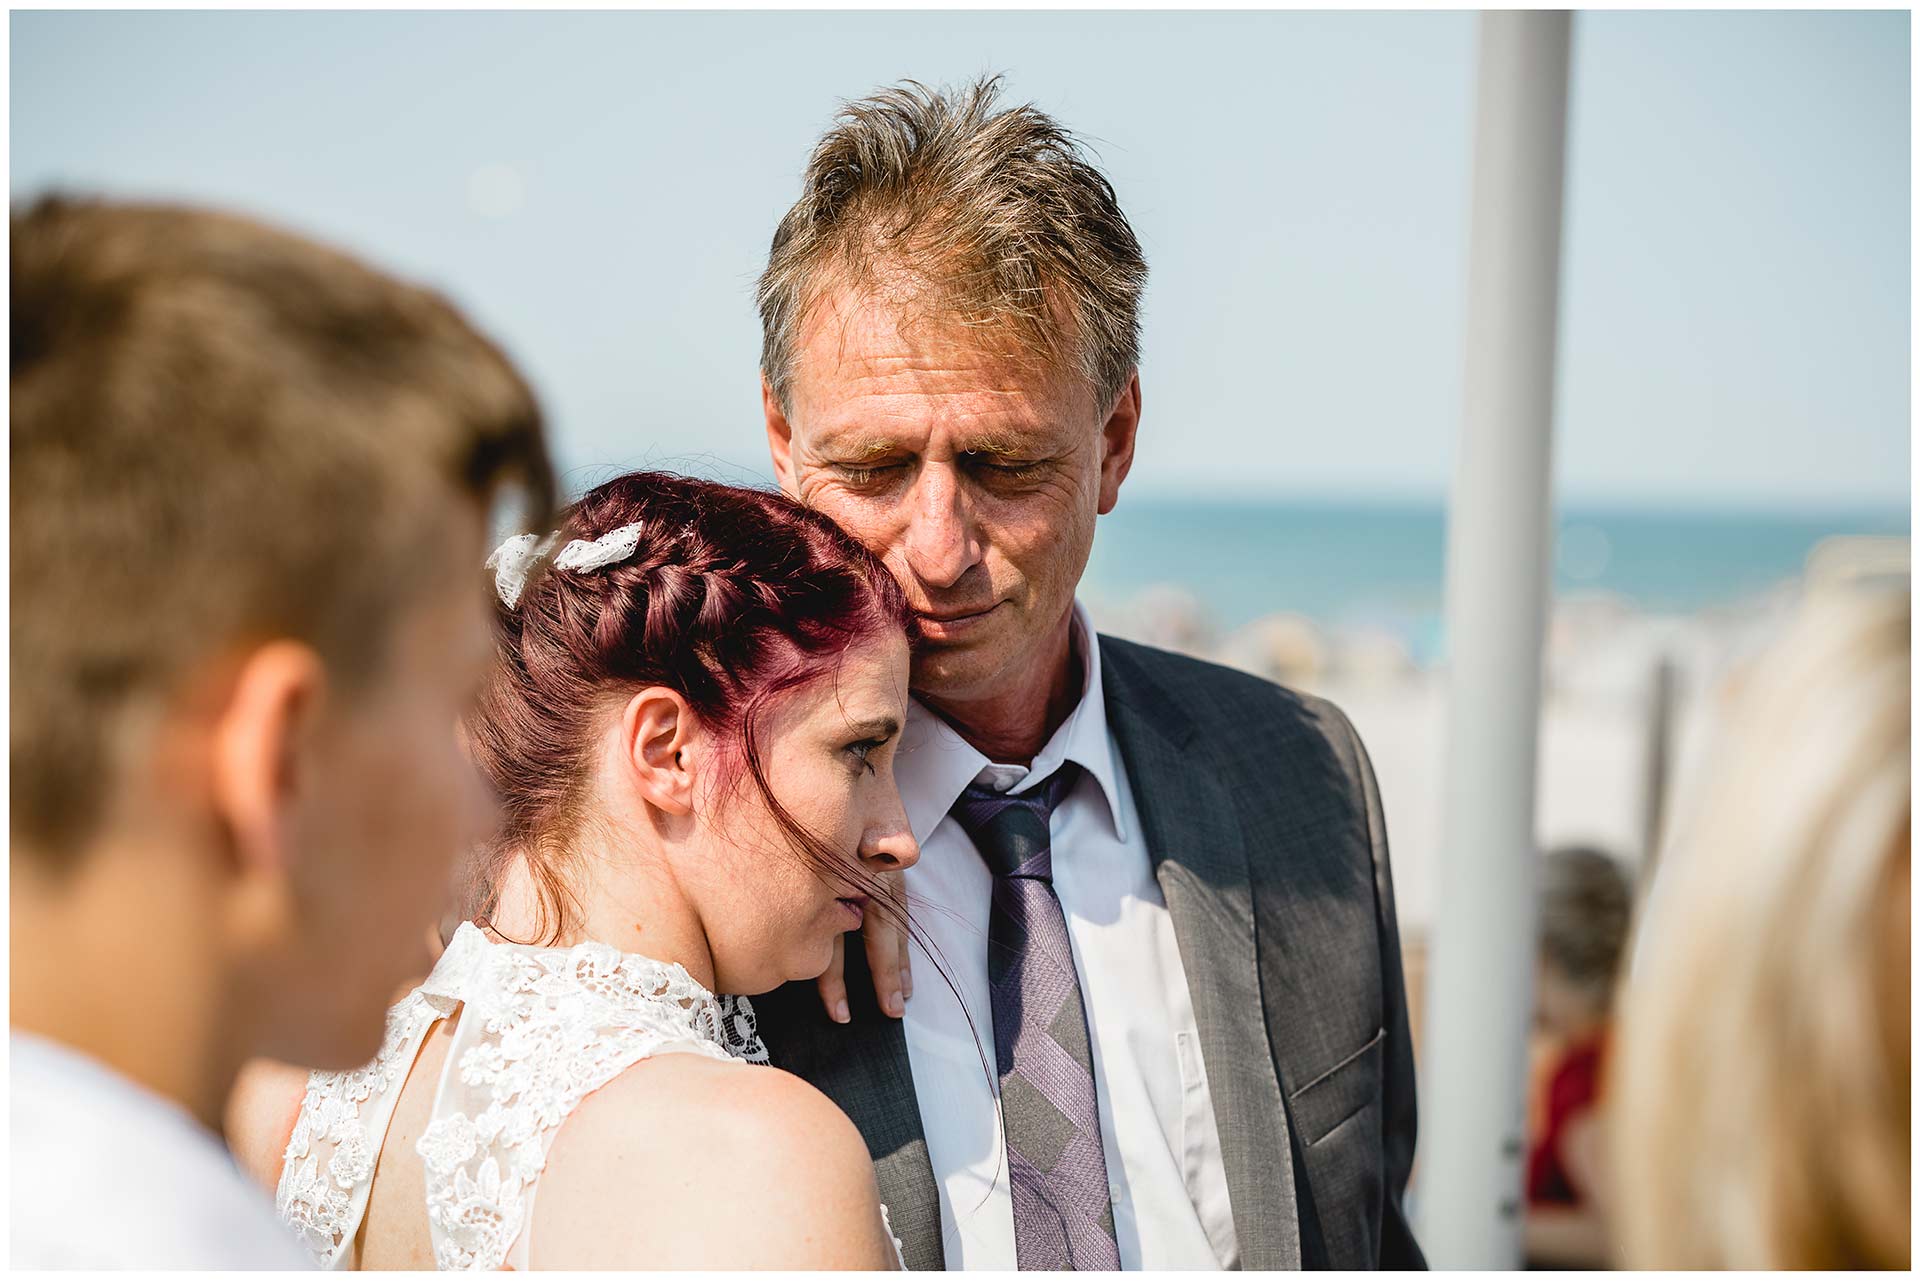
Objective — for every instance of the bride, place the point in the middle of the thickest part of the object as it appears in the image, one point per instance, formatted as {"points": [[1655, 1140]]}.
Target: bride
{"points": [[690, 726]]}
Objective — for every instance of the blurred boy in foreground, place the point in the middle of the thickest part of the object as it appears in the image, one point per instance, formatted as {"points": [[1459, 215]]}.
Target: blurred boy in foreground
{"points": [[250, 482]]}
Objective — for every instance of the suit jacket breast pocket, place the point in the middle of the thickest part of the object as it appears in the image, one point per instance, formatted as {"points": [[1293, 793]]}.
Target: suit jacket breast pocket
{"points": [[1339, 1094], [1339, 1117]]}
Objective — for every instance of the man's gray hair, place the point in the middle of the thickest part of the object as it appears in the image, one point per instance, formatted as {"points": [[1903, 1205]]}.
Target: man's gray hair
{"points": [[994, 220]]}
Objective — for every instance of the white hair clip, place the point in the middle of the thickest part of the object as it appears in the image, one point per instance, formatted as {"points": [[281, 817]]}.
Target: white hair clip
{"points": [[512, 562], [610, 548]]}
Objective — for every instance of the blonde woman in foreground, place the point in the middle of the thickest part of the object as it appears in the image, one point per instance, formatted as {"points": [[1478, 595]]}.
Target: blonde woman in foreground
{"points": [[1762, 1108]]}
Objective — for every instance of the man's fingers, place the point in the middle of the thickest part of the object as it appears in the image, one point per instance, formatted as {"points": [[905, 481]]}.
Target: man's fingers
{"points": [[901, 937], [833, 984], [886, 943]]}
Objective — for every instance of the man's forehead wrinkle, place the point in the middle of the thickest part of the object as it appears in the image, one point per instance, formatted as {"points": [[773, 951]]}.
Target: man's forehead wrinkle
{"points": [[875, 387], [878, 383], [922, 374], [967, 419], [915, 324]]}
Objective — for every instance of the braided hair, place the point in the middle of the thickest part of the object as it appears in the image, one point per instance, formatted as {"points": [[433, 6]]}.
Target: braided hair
{"points": [[731, 597]]}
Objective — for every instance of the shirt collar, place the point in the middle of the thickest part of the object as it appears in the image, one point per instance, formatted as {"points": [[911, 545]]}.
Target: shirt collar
{"points": [[935, 764]]}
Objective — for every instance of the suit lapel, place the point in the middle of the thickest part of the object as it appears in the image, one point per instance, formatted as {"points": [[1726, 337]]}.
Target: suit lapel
{"points": [[892, 1115], [1188, 819]]}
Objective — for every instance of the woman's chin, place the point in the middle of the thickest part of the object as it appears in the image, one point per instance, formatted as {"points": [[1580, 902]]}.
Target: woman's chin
{"points": [[814, 962], [799, 967]]}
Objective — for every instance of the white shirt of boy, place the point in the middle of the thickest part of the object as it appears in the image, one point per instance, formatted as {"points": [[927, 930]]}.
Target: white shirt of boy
{"points": [[107, 1174]]}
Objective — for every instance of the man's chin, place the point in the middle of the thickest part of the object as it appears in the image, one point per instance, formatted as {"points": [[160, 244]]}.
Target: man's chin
{"points": [[956, 674]]}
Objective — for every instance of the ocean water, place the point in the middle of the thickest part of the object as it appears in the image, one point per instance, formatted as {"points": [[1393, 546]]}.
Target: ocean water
{"points": [[1384, 564]]}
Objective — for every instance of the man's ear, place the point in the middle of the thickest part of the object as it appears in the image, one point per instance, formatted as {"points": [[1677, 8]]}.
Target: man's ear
{"points": [[1117, 437], [262, 758], [663, 748], [779, 438]]}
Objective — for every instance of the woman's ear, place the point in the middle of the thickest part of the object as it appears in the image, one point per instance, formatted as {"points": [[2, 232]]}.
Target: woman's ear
{"points": [[661, 742], [262, 759]]}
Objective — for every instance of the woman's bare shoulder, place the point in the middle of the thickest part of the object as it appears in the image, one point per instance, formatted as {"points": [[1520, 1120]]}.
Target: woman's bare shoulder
{"points": [[684, 1161]]}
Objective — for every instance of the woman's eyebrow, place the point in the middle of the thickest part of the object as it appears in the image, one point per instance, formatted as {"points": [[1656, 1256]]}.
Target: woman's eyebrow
{"points": [[882, 727]]}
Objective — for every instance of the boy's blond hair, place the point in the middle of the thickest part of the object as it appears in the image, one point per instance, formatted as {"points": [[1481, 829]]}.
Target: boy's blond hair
{"points": [[221, 434]]}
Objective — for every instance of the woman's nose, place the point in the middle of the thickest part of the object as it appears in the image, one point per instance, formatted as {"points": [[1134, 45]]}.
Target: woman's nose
{"points": [[894, 852]]}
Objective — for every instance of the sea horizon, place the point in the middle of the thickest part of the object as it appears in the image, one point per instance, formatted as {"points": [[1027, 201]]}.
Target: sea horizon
{"points": [[1379, 561]]}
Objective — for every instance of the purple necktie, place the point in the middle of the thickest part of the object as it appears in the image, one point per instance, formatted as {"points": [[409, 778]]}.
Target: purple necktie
{"points": [[1062, 1215]]}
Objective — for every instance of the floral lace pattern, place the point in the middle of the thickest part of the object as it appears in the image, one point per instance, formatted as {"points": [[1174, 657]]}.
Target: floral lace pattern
{"points": [[542, 1029], [329, 1154], [557, 1026], [740, 1030]]}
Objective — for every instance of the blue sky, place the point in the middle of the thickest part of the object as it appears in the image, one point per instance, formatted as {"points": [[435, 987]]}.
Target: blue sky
{"points": [[599, 188]]}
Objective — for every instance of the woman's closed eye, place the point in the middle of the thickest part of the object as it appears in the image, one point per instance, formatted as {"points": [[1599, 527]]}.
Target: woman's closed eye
{"points": [[863, 752]]}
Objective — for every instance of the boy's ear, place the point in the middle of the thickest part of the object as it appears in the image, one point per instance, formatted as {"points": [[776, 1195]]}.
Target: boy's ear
{"points": [[262, 764], [661, 744]]}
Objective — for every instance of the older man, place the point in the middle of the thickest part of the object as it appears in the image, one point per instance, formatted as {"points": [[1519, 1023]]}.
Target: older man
{"points": [[1169, 1028]]}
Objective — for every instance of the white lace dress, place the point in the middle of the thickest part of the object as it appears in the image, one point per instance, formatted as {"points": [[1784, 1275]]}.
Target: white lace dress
{"points": [[542, 1029]]}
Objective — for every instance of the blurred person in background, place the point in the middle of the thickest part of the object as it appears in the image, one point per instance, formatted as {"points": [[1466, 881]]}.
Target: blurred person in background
{"points": [[1586, 905], [250, 477], [1762, 1085], [1162, 886]]}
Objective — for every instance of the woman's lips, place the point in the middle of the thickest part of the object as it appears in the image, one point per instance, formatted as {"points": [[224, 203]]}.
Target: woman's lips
{"points": [[855, 908]]}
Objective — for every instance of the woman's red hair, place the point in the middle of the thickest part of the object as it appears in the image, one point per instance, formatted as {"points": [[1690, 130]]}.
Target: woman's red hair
{"points": [[732, 597]]}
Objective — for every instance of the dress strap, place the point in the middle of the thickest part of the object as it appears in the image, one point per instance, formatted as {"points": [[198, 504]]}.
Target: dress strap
{"points": [[327, 1171]]}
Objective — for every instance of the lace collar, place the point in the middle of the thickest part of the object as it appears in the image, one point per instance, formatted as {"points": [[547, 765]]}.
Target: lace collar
{"points": [[492, 976]]}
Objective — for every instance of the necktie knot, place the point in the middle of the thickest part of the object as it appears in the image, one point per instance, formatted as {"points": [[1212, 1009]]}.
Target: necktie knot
{"points": [[1011, 830]]}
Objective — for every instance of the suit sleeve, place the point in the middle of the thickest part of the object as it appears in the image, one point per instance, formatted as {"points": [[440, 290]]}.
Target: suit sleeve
{"points": [[1398, 1249]]}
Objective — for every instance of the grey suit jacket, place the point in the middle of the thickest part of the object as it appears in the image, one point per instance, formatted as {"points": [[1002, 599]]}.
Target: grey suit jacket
{"points": [[1263, 820]]}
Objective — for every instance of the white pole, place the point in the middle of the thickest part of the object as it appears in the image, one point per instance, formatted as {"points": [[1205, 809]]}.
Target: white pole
{"points": [[1498, 551]]}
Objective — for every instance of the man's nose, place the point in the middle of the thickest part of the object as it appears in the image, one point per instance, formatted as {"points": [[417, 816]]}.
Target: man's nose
{"points": [[941, 543]]}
